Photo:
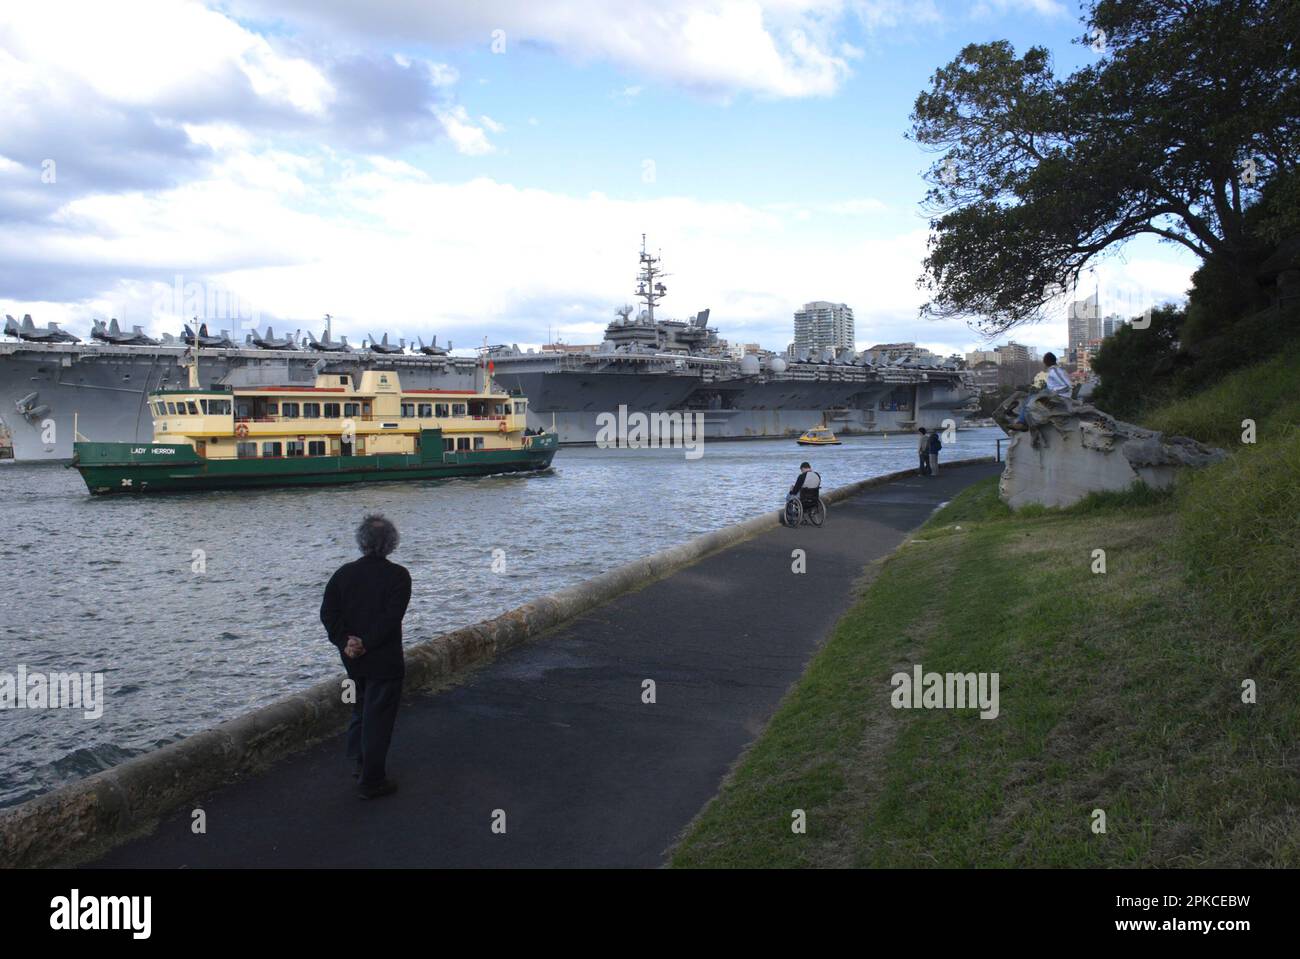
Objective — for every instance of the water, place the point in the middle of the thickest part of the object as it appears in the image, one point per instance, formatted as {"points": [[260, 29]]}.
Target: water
{"points": [[108, 584]]}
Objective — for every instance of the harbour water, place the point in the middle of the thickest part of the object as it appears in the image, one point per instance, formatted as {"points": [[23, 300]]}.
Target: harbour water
{"points": [[199, 607]]}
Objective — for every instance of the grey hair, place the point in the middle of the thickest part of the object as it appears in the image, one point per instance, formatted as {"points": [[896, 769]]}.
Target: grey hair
{"points": [[376, 535]]}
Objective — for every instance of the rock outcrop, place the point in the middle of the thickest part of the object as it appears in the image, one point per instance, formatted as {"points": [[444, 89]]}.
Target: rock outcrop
{"points": [[1071, 449]]}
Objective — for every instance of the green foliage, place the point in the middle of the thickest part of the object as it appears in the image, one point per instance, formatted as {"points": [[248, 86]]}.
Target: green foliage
{"points": [[1136, 366], [1266, 393], [1040, 176]]}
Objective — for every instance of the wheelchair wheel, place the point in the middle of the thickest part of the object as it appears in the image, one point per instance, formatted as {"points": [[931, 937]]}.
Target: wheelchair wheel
{"points": [[817, 514], [793, 514]]}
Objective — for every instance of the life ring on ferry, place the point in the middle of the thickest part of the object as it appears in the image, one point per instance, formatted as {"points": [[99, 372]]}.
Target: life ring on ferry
{"points": [[502, 427], [241, 430]]}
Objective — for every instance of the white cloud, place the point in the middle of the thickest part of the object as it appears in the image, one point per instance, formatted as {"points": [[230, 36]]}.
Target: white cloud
{"points": [[780, 48], [465, 136], [170, 49]]}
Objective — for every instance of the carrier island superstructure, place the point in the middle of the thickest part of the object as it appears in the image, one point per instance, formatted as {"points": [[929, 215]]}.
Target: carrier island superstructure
{"points": [[50, 381]]}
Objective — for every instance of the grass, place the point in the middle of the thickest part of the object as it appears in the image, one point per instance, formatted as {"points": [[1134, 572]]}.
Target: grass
{"points": [[1120, 691], [1265, 393]]}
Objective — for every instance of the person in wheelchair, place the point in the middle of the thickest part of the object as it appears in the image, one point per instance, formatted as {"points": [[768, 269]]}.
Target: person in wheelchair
{"points": [[808, 487]]}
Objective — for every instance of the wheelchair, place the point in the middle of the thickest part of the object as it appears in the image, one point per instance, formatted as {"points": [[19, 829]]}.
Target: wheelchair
{"points": [[797, 513]]}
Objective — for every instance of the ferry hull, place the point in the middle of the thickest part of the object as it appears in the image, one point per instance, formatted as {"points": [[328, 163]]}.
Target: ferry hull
{"points": [[126, 468]]}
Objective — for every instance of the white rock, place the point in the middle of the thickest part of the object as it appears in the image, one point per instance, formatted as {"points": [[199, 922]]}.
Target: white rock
{"points": [[1081, 450]]}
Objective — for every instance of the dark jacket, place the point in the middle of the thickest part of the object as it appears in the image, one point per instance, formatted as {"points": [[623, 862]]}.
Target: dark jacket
{"points": [[368, 598], [936, 444]]}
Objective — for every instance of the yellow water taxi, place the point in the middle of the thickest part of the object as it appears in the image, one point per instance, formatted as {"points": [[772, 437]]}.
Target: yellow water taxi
{"points": [[818, 436]]}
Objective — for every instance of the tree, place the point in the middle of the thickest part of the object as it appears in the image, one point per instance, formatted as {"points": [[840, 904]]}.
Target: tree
{"points": [[1192, 107], [1136, 366]]}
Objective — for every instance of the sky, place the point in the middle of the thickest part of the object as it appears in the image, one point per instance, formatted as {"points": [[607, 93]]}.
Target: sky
{"points": [[486, 170]]}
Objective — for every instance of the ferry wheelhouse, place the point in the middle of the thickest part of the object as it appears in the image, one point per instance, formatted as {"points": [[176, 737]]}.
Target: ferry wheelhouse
{"points": [[336, 431]]}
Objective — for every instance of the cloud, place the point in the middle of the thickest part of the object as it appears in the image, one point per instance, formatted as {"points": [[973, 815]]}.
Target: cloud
{"points": [[467, 137], [778, 48], [151, 101]]}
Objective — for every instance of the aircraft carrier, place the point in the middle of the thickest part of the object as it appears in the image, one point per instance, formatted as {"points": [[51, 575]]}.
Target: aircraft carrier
{"points": [[53, 384]]}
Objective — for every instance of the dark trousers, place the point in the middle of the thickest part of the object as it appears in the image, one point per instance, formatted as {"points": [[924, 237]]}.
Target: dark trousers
{"points": [[370, 729], [925, 464]]}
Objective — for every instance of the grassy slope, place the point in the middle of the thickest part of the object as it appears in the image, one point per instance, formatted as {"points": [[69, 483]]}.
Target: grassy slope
{"points": [[1119, 691]]}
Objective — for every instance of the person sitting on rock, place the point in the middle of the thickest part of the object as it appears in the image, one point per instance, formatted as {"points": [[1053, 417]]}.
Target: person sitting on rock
{"points": [[1056, 382]]}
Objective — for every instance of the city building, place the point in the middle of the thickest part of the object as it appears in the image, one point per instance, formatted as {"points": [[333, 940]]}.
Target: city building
{"points": [[985, 376], [739, 350], [821, 324], [883, 353], [1111, 325], [1084, 324]]}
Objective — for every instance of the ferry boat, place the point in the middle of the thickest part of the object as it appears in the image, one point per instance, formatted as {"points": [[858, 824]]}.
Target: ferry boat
{"points": [[336, 431], [818, 436]]}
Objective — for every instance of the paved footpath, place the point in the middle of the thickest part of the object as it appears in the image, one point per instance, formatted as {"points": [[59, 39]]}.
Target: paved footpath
{"points": [[554, 732]]}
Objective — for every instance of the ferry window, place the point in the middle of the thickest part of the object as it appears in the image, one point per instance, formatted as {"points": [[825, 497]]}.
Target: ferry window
{"points": [[160, 409], [519, 408], [289, 411], [243, 411], [462, 442], [448, 446], [441, 409], [459, 409], [311, 411], [365, 409], [426, 410], [316, 448], [221, 407], [295, 448], [246, 450], [331, 411], [351, 409], [194, 410], [408, 409], [272, 408], [270, 449], [478, 442]]}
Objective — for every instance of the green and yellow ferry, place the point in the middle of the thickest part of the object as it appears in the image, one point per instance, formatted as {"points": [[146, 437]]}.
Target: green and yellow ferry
{"points": [[336, 431]]}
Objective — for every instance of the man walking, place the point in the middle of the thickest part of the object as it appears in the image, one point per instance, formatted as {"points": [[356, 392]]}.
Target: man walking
{"points": [[364, 603]]}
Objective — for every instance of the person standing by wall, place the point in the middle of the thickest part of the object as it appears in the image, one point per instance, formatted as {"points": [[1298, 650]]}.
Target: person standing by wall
{"points": [[935, 445], [362, 611], [923, 450]]}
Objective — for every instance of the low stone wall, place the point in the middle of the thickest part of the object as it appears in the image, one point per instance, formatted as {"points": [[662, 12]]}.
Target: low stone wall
{"points": [[82, 820]]}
